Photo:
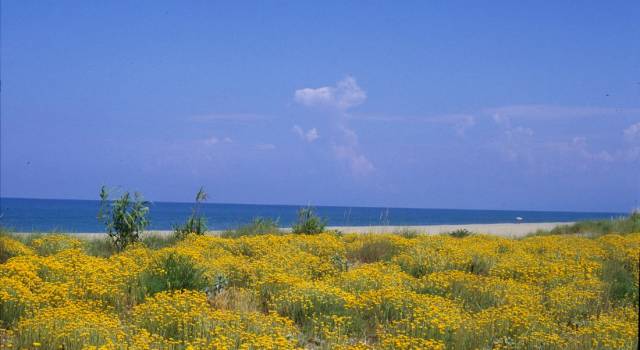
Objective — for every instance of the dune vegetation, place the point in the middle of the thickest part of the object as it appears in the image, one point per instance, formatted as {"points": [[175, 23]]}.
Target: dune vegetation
{"points": [[320, 291]]}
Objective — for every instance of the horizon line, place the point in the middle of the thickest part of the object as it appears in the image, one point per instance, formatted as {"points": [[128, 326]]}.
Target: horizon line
{"points": [[338, 206]]}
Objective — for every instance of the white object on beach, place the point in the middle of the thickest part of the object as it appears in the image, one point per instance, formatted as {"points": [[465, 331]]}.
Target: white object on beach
{"points": [[519, 219]]}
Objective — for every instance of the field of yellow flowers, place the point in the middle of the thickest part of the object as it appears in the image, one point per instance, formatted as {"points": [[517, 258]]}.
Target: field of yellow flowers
{"points": [[326, 291]]}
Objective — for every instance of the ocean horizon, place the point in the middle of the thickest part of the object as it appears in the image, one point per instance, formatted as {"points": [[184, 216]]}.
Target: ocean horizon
{"points": [[77, 215]]}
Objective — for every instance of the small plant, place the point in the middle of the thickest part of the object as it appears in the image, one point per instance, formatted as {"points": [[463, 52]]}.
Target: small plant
{"points": [[220, 283], [460, 233], [480, 265], [196, 223], [372, 250], [408, 233], [308, 222], [259, 226], [125, 218], [173, 272]]}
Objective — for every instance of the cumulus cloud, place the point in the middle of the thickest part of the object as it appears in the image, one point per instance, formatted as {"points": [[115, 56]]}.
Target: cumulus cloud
{"points": [[344, 95], [632, 133], [578, 147], [309, 136], [516, 143], [337, 100], [358, 163]]}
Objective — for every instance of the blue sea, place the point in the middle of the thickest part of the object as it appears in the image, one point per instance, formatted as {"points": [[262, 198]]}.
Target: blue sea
{"points": [[47, 215]]}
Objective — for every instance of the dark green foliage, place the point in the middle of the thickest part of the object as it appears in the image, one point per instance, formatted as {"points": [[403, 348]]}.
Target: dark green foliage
{"points": [[173, 272], [102, 247], [620, 280], [125, 218], [4, 252], [480, 265], [460, 233], [196, 223], [372, 250], [595, 228], [259, 226], [220, 283], [308, 222]]}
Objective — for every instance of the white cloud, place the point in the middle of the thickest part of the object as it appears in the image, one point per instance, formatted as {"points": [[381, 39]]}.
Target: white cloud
{"points": [[211, 141], [632, 133], [554, 112], [344, 95], [358, 163], [309, 136], [338, 100], [312, 135]]}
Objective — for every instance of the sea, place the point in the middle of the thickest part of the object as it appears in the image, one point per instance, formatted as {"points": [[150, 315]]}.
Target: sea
{"points": [[80, 216]]}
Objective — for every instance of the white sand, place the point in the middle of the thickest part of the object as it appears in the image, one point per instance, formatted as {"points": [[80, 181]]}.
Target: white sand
{"points": [[504, 230]]}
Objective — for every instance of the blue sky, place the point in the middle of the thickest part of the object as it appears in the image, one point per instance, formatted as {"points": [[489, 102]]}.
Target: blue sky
{"points": [[499, 105]]}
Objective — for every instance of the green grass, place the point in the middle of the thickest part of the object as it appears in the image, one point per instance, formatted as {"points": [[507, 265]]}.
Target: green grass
{"points": [[259, 226], [595, 228]]}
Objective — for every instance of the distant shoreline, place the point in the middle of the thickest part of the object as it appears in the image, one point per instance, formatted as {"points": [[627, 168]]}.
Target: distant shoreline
{"points": [[512, 230]]}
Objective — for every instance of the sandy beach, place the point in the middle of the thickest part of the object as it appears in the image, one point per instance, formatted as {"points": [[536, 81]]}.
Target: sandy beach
{"points": [[505, 229]]}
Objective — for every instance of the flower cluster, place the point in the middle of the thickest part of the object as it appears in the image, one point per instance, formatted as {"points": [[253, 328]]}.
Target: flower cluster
{"points": [[325, 291]]}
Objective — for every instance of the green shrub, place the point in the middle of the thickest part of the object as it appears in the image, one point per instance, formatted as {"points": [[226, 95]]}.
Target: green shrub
{"points": [[460, 233], [407, 233], [173, 272], [308, 222], [259, 226], [372, 250], [125, 218], [620, 280], [480, 265], [196, 223]]}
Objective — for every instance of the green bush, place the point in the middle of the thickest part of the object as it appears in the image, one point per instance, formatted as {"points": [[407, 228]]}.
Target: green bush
{"points": [[620, 280], [308, 222], [125, 218], [259, 226], [372, 250], [196, 223], [460, 233], [480, 265], [407, 233], [173, 272]]}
